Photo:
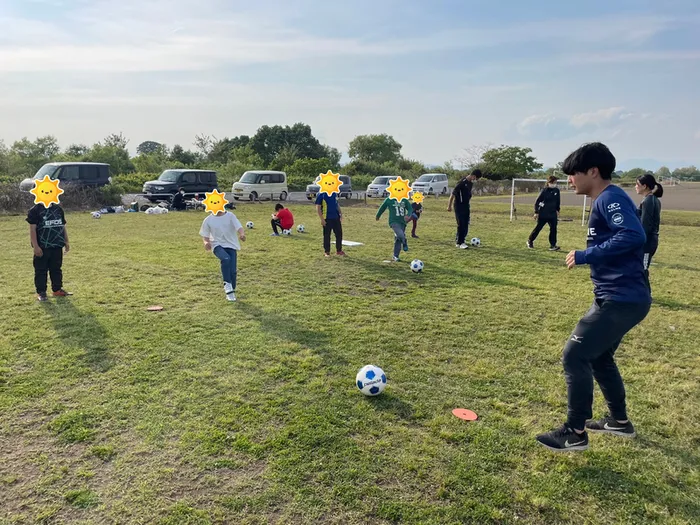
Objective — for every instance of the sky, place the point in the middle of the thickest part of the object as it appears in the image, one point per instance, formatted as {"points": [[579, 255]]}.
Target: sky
{"points": [[440, 77]]}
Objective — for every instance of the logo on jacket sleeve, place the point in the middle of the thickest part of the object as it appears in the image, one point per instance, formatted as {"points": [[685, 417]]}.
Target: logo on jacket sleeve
{"points": [[618, 219], [615, 206]]}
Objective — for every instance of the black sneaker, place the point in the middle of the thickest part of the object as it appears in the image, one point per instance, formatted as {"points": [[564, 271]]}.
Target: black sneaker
{"points": [[530, 245], [609, 425], [554, 248], [564, 439], [41, 297]]}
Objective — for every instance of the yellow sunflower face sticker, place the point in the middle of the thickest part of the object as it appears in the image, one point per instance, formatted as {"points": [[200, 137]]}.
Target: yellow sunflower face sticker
{"points": [[418, 197], [330, 183], [215, 202], [398, 189], [46, 191]]}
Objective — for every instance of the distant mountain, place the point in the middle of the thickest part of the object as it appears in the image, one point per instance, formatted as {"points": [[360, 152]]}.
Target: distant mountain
{"points": [[652, 164]]}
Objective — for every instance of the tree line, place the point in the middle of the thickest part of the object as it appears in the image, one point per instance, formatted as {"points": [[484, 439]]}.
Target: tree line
{"points": [[292, 149]]}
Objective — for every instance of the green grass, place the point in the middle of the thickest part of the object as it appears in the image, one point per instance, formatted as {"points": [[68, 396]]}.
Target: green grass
{"points": [[217, 412]]}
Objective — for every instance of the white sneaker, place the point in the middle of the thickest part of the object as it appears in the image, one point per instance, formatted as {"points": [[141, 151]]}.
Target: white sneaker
{"points": [[464, 246], [228, 288], [231, 296]]}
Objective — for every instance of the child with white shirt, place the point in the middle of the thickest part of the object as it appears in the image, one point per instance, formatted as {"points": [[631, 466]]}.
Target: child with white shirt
{"points": [[221, 233]]}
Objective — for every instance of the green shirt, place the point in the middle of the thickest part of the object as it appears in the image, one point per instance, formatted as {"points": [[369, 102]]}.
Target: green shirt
{"points": [[398, 210]]}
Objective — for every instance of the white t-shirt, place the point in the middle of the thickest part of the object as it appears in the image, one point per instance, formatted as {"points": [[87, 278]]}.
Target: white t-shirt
{"points": [[222, 230]]}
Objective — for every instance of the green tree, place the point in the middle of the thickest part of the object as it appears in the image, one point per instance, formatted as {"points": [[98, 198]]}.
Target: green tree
{"points": [[221, 149], [116, 141], [285, 157], [179, 155], [77, 150], [269, 141], [148, 146], [662, 173], [687, 173], [634, 173], [112, 150], [304, 171], [375, 148], [507, 162], [37, 153]]}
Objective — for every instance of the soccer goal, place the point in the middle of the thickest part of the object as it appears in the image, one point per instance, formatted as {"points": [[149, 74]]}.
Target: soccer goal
{"points": [[527, 191]]}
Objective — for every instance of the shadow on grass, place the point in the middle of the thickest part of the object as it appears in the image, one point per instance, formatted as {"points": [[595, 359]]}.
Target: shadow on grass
{"points": [[675, 267], [289, 329], [614, 486], [675, 305], [83, 330], [395, 271], [684, 456], [387, 402]]}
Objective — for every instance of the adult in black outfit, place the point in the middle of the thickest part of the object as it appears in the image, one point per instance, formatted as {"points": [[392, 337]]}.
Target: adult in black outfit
{"points": [[649, 212], [461, 197], [179, 200], [547, 208]]}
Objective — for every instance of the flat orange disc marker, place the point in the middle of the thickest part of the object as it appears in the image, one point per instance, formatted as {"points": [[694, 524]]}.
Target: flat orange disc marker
{"points": [[463, 413]]}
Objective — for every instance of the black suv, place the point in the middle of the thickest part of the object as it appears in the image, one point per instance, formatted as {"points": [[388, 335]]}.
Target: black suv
{"points": [[84, 174], [345, 188], [192, 181]]}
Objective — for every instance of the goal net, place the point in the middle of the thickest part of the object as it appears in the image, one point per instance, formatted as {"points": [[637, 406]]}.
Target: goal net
{"points": [[524, 192]]}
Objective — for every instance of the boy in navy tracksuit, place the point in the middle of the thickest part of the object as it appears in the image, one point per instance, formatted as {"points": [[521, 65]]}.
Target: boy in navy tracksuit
{"points": [[615, 254]]}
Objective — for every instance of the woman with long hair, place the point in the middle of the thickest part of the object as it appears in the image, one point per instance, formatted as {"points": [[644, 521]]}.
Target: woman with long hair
{"points": [[650, 213], [547, 212]]}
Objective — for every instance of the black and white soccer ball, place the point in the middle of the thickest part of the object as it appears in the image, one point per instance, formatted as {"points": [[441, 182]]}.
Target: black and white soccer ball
{"points": [[301, 228], [476, 241], [249, 225], [96, 215], [286, 232]]}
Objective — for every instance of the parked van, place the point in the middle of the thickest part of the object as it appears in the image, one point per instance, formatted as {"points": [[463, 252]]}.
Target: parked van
{"points": [[262, 184], [84, 174], [193, 181], [431, 184], [377, 188]]}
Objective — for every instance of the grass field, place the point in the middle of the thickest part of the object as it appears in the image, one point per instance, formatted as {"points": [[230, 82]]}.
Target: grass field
{"points": [[247, 412]]}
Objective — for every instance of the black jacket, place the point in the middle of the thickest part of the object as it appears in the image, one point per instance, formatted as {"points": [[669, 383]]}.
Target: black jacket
{"points": [[649, 212], [548, 203]]}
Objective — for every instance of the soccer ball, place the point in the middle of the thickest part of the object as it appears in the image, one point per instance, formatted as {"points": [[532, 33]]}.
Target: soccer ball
{"points": [[417, 265], [249, 225], [286, 232], [476, 241], [371, 380], [300, 228], [96, 215]]}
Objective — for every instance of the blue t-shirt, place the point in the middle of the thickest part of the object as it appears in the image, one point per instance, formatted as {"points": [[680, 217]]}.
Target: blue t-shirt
{"points": [[615, 249], [329, 205]]}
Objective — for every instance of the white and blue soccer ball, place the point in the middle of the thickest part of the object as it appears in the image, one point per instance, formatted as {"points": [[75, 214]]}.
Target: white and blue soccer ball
{"points": [[476, 241], [249, 225], [96, 215], [371, 380], [301, 228], [286, 232], [417, 265]]}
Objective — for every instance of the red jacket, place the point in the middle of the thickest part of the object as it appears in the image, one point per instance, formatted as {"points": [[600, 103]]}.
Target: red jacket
{"points": [[286, 219]]}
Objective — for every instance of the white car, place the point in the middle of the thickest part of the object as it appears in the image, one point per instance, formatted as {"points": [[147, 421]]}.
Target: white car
{"points": [[261, 185], [431, 184], [377, 188]]}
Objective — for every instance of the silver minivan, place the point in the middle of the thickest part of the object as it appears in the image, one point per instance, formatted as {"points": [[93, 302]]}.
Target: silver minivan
{"points": [[431, 184], [377, 188]]}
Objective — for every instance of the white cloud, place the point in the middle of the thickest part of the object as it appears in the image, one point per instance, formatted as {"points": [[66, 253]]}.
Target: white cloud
{"points": [[180, 35], [610, 121]]}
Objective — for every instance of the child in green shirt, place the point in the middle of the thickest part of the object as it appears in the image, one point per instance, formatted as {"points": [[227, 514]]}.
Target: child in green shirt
{"points": [[400, 212]]}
